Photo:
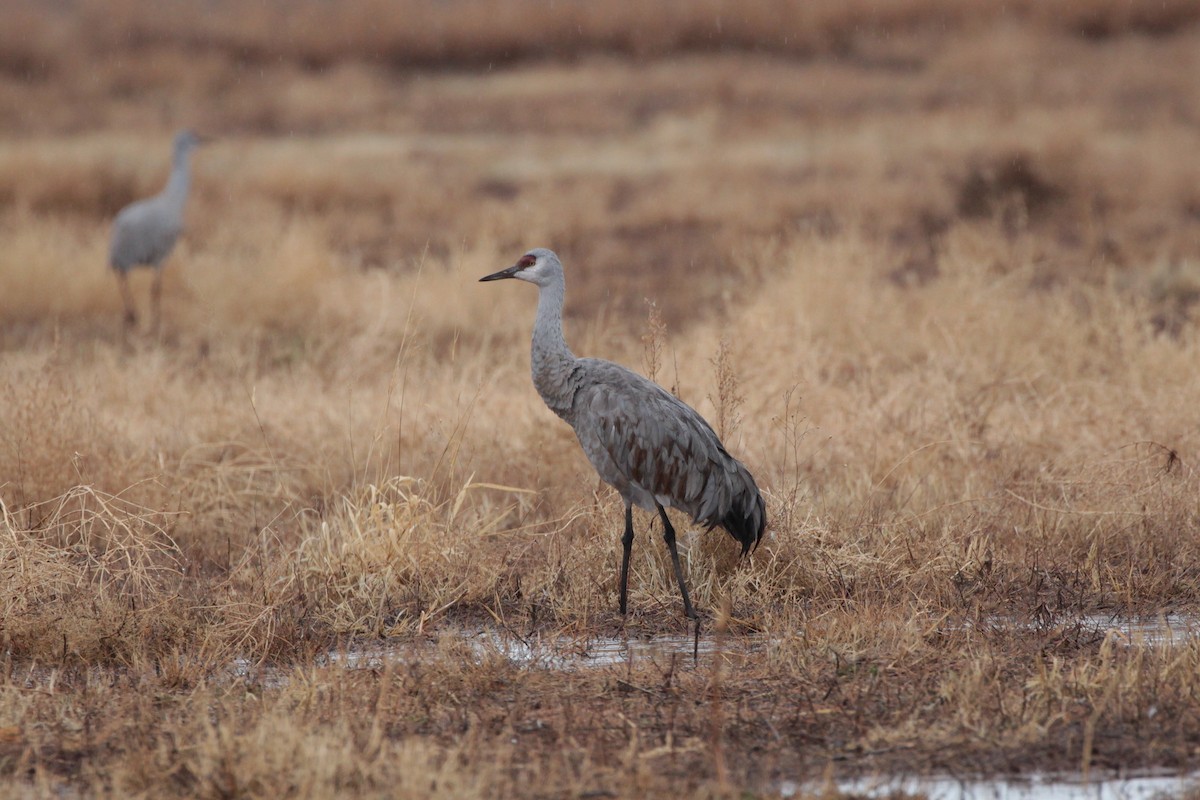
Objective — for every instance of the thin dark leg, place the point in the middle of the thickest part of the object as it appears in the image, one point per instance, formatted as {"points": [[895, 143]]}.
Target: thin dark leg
{"points": [[669, 538], [627, 543], [126, 297], [156, 299]]}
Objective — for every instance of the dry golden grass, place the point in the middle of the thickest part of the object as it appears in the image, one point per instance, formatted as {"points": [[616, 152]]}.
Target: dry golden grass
{"points": [[934, 283]]}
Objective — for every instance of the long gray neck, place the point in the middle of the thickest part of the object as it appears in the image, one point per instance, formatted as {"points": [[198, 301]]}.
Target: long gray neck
{"points": [[550, 358], [180, 181]]}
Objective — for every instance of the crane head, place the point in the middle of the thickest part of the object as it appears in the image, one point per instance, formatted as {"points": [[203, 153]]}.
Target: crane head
{"points": [[188, 139], [538, 266]]}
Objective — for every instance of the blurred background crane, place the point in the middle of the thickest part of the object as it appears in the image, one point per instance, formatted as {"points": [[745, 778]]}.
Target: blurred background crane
{"points": [[144, 232]]}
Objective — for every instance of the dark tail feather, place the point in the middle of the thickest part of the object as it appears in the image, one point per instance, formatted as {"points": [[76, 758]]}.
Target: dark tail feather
{"points": [[747, 520], [746, 517]]}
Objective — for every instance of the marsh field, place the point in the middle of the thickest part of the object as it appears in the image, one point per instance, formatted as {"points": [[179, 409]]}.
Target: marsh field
{"points": [[930, 268]]}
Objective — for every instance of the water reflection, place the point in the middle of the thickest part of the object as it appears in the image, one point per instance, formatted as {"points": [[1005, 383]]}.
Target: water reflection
{"points": [[1145, 786]]}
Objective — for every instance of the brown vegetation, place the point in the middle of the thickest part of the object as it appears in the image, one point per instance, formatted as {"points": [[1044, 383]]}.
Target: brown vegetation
{"points": [[931, 268]]}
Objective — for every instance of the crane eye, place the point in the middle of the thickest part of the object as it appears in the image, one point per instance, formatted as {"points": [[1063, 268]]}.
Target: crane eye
{"points": [[526, 262]]}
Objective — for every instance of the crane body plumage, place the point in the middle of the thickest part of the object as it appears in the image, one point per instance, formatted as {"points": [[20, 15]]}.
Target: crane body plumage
{"points": [[649, 445], [144, 232]]}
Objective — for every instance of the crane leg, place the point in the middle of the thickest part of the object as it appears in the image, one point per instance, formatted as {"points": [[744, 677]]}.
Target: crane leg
{"points": [[156, 299], [627, 543], [669, 538], [126, 297]]}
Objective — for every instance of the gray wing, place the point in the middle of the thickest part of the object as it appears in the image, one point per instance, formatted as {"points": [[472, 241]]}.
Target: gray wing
{"points": [[143, 233], [659, 443]]}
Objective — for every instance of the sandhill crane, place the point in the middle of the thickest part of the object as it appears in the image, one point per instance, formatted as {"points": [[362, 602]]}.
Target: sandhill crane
{"points": [[144, 232], [649, 445]]}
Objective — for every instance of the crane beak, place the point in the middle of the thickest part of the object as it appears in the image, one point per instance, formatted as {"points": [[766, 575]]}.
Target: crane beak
{"points": [[502, 274]]}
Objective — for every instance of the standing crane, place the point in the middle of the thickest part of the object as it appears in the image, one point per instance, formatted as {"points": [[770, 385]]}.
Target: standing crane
{"points": [[144, 232], [649, 445]]}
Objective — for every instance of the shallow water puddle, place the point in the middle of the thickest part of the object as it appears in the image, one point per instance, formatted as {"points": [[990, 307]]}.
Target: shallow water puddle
{"points": [[567, 653], [562, 652], [546, 653], [1168, 630], [1032, 787], [558, 653]]}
